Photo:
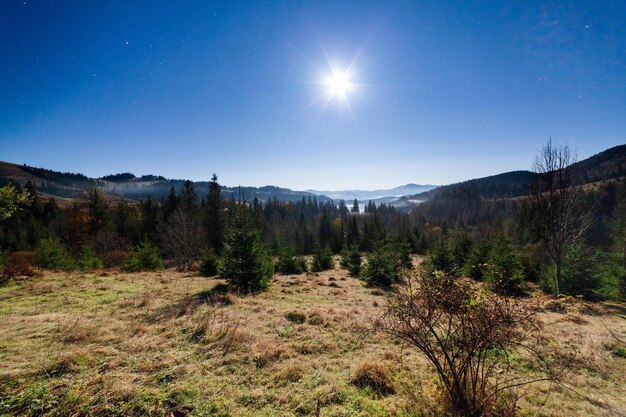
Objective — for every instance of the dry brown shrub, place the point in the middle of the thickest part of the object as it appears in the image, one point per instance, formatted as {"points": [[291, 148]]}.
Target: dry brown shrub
{"points": [[316, 318], [14, 270], [26, 257], [374, 376]]}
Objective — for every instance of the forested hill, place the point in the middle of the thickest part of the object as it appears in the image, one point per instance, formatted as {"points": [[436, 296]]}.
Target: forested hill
{"points": [[488, 200], [67, 185], [605, 165]]}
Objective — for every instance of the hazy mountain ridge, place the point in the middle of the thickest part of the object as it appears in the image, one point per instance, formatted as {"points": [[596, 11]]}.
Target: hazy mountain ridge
{"points": [[129, 186], [381, 195], [605, 165]]}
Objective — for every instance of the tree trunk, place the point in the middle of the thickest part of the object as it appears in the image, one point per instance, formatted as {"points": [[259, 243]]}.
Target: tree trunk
{"points": [[557, 275]]}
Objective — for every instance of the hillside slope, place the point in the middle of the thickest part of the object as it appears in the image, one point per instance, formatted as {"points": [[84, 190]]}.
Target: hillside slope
{"points": [[128, 186], [605, 165]]}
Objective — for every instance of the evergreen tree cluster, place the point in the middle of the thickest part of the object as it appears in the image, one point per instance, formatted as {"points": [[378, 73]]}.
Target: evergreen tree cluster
{"points": [[462, 233]]}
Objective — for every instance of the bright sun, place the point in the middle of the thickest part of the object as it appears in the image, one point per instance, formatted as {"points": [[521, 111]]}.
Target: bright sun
{"points": [[338, 84]]}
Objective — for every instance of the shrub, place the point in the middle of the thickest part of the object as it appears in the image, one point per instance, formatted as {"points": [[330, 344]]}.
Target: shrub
{"points": [[144, 257], [50, 253], [461, 250], [351, 260], [581, 273], [296, 317], [374, 376], [503, 271], [476, 260], [440, 258], [88, 261], [12, 267], [289, 263], [322, 259], [468, 334], [208, 264], [10, 271], [384, 264]]}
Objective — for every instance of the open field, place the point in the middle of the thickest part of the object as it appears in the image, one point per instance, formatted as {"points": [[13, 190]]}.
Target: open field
{"points": [[173, 344]]}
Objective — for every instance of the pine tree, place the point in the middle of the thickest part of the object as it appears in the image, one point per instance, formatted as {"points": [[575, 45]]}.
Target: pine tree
{"points": [[149, 220], [355, 207], [325, 229], [245, 262], [337, 238], [353, 237], [98, 212], [351, 260], [214, 221], [171, 202], [189, 197]]}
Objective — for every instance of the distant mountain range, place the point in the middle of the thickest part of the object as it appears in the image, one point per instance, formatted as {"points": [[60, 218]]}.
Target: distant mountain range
{"points": [[381, 196], [70, 186], [73, 187], [606, 165]]}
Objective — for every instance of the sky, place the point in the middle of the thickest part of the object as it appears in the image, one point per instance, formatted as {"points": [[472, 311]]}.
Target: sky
{"points": [[321, 94]]}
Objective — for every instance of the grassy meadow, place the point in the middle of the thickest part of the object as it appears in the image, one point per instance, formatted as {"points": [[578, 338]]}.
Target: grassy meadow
{"points": [[175, 344]]}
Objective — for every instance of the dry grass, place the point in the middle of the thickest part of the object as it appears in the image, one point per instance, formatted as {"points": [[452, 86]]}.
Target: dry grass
{"points": [[167, 343]]}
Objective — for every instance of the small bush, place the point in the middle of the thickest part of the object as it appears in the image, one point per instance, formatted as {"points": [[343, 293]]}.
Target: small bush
{"points": [[468, 334], [619, 351], [50, 254], [10, 271], [89, 261], [582, 273], [289, 263], [385, 264], [504, 271], [351, 260], [440, 258], [296, 317], [144, 257], [461, 250], [374, 376], [322, 259], [476, 260], [208, 264]]}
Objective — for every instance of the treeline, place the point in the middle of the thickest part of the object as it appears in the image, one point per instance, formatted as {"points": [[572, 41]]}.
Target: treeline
{"points": [[185, 225], [462, 232]]}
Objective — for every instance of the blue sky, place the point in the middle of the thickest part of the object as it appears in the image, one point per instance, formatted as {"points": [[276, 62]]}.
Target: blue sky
{"points": [[439, 93]]}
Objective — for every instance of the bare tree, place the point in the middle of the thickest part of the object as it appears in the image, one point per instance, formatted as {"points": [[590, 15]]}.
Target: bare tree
{"points": [[182, 237], [555, 207]]}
